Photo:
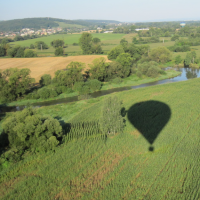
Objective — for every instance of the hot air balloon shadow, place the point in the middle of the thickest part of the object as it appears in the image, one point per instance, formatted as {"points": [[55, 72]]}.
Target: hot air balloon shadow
{"points": [[149, 118]]}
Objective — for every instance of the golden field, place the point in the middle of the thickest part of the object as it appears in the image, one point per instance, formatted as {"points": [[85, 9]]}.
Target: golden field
{"points": [[45, 65]]}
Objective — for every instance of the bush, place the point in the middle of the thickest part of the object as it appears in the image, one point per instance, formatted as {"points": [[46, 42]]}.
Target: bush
{"points": [[44, 93], [116, 51], [27, 130], [45, 80], [153, 71], [29, 53], [38, 45], [2, 51], [53, 93], [75, 44], [94, 85], [139, 74], [59, 51], [32, 46], [117, 80]]}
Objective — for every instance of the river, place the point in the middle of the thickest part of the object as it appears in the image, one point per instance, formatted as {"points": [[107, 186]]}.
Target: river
{"points": [[187, 73]]}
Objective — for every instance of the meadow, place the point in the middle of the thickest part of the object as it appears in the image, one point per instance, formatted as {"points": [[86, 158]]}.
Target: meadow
{"points": [[110, 39], [121, 166]]}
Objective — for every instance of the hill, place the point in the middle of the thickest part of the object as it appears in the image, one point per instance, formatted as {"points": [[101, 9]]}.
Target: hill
{"points": [[120, 167], [38, 23]]}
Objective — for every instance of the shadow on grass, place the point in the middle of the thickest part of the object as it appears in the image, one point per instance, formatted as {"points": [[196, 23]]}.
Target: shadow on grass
{"points": [[149, 118]]}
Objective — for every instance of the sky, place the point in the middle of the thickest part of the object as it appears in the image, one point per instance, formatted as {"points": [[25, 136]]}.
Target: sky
{"points": [[120, 10]]}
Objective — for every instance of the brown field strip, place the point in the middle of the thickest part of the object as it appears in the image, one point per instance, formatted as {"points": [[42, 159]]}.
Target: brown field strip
{"points": [[47, 65]]}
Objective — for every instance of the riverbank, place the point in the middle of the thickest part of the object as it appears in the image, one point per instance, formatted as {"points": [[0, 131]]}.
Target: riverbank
{"points": [[133, 80]]}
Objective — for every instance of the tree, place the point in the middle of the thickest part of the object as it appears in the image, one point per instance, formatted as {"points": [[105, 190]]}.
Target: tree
{"points": [[14, 83], [2, 51], [45, 80], [57, 43], [126, 61], [59, 51], [160, 54], [178, 59], [111, 121], [28, 53], [27, 130], [98, 69], [113, 53], [85, 43], [96, 40], [72, 74], [41, 45]]}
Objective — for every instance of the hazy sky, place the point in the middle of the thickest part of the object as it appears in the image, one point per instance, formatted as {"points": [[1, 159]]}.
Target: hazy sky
{"points": [[123, 10]]}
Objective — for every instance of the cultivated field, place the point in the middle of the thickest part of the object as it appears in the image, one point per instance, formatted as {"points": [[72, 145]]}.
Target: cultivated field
{"points": [[48, 65], [120, 167]]}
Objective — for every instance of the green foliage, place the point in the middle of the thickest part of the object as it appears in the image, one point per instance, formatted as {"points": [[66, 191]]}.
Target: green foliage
{"points": [[183, 48], [41, 45], [2, 51], [111, 121], [126, 61], [98, 69], [27, 130], [16, 51], [96, 40], [59, 51], [57, 43], [153, 71], [14, 83], [71, 75], [44, 93], [45, 80], [190, 58], [29, 53], [139, 74], [116, 51], [160, 54], [84, 88], [178, 59], [174, 38], [32, 46], [117, 80], [150, 69], [90, 45], [85, 43], [94, 85]]}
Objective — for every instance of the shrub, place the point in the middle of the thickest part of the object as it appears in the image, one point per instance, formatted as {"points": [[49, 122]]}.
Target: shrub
{"points": [[116, 51], [94, 85], [59, 51], [117, 80], [153, 71], [2, 51], [27, 130], [53, 93], [32, 46], [44, 93], [139, 74], [45, 80], [29, 53]]}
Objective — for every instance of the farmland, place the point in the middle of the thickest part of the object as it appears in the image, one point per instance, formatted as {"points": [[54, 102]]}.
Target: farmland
{"points": [[120, 167], [110, 40], [41, 66]]}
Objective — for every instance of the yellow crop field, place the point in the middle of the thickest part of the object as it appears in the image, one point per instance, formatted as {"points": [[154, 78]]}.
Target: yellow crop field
{"points": [[45, 65]]}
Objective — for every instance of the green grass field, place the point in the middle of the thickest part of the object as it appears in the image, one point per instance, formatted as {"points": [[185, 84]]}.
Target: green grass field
{"points": [[110, 41], [121, 167]]}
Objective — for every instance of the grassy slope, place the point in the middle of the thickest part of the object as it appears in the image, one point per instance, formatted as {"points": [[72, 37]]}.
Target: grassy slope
{"points": [[122, 167]]}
